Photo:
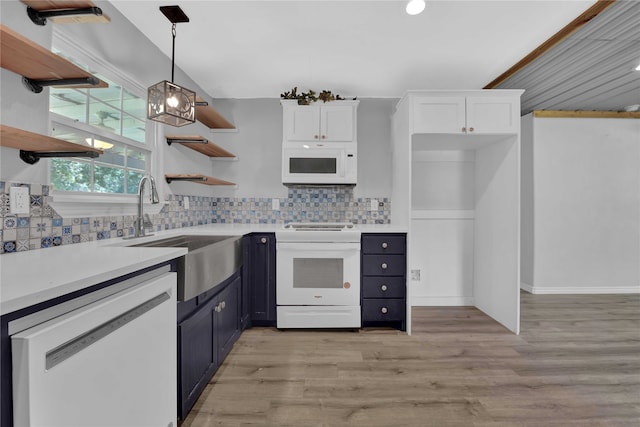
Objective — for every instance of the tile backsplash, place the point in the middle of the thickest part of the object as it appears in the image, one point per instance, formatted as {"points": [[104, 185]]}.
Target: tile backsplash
{"points": [[44, 228]]}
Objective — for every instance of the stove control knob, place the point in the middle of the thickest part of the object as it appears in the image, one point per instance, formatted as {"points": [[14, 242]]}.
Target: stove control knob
{"points": [[384, 288], [385, 245], [384, 310], [384, 266], [263, 240]]}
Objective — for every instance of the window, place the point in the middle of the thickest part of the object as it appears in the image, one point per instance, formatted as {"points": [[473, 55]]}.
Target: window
{"points": [[112, 119]]}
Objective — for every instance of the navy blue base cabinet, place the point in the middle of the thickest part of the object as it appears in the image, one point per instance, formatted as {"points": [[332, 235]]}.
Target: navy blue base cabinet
{"points": [[384, 278], [260, 271], [208, 326]]}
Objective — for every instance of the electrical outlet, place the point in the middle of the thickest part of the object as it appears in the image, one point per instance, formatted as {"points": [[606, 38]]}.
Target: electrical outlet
{"points": [[185, 202], [374, 204], [415, 275], [19, 200], [275, 204]]}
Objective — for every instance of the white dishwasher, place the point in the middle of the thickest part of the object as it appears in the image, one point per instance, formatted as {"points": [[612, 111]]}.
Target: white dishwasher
{"points": [[109, 363]]}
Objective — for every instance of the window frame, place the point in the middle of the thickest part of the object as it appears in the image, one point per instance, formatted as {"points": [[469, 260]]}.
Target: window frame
{"points": [[76, 203]]}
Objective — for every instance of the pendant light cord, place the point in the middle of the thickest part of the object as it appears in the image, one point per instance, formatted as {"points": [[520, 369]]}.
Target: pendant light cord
{"points": [[173, 49]]}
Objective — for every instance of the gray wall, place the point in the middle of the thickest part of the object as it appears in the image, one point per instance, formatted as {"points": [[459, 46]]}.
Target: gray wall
{"points": [[257, 143]]}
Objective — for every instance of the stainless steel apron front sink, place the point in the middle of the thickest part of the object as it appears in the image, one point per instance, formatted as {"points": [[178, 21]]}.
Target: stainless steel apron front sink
{"points": [[210, 260]]}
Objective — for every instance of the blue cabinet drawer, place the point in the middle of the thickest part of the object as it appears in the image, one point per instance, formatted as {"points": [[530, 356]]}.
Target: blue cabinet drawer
{"points": [[383, 287], [383, 244], [383, 265], [383, 310]]}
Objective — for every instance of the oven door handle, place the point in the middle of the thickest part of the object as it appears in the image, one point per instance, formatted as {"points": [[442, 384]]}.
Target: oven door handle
{"points": [[315, 246]]}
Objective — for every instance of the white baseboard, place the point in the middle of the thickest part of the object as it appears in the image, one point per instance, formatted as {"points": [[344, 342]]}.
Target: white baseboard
{"points": [[547, 290], [426, 301]]}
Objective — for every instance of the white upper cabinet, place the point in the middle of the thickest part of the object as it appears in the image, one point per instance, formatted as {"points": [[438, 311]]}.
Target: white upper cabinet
{"points": [[334, 121], [484, 113]]}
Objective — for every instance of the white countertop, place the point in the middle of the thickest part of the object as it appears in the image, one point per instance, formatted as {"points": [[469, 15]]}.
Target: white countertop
{"points": [[31, 277]]}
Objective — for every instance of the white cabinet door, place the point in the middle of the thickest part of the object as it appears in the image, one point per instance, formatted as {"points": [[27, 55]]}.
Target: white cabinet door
{"points": [[320, 123], [492, 115], [337, 123], [468, 115], [302, 123], [439, 114]]}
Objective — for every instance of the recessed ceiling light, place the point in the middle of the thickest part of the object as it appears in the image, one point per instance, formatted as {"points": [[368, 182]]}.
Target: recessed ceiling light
{"points": [[638, 67], [414, 7]]}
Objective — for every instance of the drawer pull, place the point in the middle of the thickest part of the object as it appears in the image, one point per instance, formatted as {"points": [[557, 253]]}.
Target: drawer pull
{"points": [[384, 288], [384, 310], [384, 266], [223, 305], [263, 240], [385, 245]]}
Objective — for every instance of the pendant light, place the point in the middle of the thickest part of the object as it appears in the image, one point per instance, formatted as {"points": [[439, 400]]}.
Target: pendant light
{"points": [[168, 102]]}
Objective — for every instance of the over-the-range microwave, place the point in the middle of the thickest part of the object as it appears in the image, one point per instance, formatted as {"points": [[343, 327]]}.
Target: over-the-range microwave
{"points": [[319, 163]]}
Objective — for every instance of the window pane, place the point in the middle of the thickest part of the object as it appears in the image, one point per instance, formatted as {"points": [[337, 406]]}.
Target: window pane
{"points": [[133, 105], [136, 159], [69, 103], [104, 117], [109, 95], [133, 128], [70, 175], [108, 179], [113, 156], [71, 135], [133, 179]]}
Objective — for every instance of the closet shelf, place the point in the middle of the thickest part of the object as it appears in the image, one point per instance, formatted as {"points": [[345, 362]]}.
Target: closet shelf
{"points": [[39, 67], [209, 117], [64, 12], [34, 146], [199, 144], [197, 178]]}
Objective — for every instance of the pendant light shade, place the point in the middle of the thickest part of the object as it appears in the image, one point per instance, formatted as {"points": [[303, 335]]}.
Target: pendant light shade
{"points": [[171, 104], [168, 102]]}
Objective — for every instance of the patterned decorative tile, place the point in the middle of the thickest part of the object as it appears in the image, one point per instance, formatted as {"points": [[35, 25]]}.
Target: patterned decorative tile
{"points": [[10, 222], [46, 242], [36, 201], [22, 245], [9, 246], [23, 222]]}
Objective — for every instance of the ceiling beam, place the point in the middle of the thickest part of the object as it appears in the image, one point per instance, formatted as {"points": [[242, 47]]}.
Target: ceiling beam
{"points": [[585, 17], [588, 114]]}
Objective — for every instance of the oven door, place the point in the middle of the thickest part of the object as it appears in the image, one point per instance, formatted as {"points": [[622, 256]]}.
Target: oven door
{"points": [[318, 274]]}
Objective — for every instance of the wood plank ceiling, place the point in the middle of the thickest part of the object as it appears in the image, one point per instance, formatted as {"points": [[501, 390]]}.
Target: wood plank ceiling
{"points": [[593, 68]]}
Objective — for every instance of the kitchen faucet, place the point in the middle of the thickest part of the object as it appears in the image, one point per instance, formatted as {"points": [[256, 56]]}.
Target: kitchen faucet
{"points": [[139, 230]]}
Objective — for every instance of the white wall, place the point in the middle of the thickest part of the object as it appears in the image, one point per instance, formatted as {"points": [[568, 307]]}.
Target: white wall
{"points": [[586, 213]]}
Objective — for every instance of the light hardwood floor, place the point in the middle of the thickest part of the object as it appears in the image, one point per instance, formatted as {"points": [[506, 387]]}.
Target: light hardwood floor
{"points": [[576, 363]]}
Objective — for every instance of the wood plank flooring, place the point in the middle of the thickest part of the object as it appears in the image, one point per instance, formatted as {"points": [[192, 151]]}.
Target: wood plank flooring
{"points": [[576, 363]]}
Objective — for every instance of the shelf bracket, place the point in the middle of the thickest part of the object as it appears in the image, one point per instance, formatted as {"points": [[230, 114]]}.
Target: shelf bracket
{"points": [[36, 86], [40, 17], [185, 178], [187, 141], [33, 157]]}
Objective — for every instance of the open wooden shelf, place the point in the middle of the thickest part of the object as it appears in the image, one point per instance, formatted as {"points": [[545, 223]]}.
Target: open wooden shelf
{"points": [[199, 144], [209, 117], [32, 145], [197, 178], [51, 6], [40, 66]]}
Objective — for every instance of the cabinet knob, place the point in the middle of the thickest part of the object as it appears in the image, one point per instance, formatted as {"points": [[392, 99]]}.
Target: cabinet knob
{"points": [[384, 266], [384, 310], [223, 305], [324, 136], [464, 129], [385, 245], [263, 240], [217, 308], [470, 129], [315, 136], [384, 288]]}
